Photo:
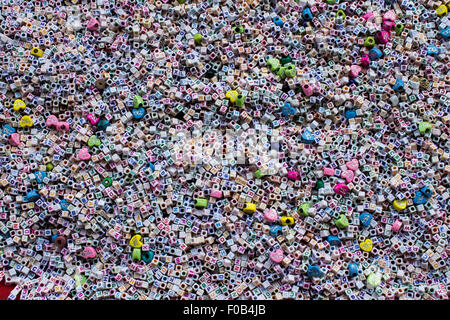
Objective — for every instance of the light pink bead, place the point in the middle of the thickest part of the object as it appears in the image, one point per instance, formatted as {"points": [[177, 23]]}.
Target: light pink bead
{"points": [[328, 171], [270, 215], [390, 16], [277, 256], [62, 126], [93, 24], [354, 70], [14, 139], [396, 226], [216, 194], [293, 175], [352, 164], [307, 90]]}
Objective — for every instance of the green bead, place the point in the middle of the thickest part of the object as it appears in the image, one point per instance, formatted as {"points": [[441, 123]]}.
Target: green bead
{"points": [[181, 1], [285, 60], [281, 72], [79, 280], [259, 174], [342, 222], [330, 1], [201, 203], [107, 182], [238, 29], [399, 28], [424, 126], [290, 71], [373, 280], [49, 166], [303, 209], [136, 254], [369, 42], [198, 38], [274, 64], [319, 184], [240, 100], [138, 101], [340, 13]]}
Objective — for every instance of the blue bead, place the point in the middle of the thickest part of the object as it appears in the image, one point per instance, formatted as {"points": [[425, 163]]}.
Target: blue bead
{"points": [[103, 124], [147, 256], [138, 113], [420, 198], [307, 137], [445, 32], [314, 271], [274, 230], [288, 110], [32, 195], [426, 192], [432, 50], [307, 15], [40, 175], [278, 21], [333, 240], [365, 218], [399, 85], [375, 54], [8, 130], [353, 269], [64, 205], [54, 237], [350, 114]]}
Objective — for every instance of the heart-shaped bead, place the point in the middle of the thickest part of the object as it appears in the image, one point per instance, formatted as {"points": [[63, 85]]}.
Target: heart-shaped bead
{"points": [[307, 137], [350, 114], [275, 229], [84, 154], [14, 139], [293, 175], [51, 121], [102, 124], [426, 192], [341, 189], [135, 241], [277, 256], [366, 245], [303, 209], [314, 271], [352, 164], [32, 195], [216, 194], [365, 60], [7, 130], [138, 113], [328, 171], [355, 70], [365, 218], [373, 280], [333, 240], [92, 119], [270, 215], [93, 24], [89, 253], [40, 175], [79, 279], [19, 105], [348, 175], [390, 16], [94, 141], [26, 121], [399, 205], [420, 198], [342, 222], [62, 126]]}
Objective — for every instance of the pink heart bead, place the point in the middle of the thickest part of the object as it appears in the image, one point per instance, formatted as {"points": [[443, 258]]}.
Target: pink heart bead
{"points": [[89, 253], [341, 189], [352, 164], [390, 16], [382, 37], [365, 60], [277, 256], [388, 25], [93, 24], [307, 90], [14, 139], [354, 71], [396, 226], [84, 154], [92, 119], [368, 15], [51, 121], [270, 215], [328, 171], [216, 194], [293, 175], [348, 175]]}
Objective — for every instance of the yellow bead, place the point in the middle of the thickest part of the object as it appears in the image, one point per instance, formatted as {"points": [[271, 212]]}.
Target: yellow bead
{"points": [[19, 105], [287, 221], [37, 52], [136, 242], [232, 95], [399, 205], [366, 245], [442, 11], [249, 207], [26, 121]]}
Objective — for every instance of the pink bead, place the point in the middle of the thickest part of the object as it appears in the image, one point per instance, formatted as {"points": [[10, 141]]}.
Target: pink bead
{"points": [[216, 194], [388, 25], [352, 164], [93, 24], [396, 226], [341, 189], [51, 121], [354, 71], [62, 126], [382, 37], [348, 175], [89, 253], [270, 215], [307, 90], [365, 60], [14, 139], [328, 171], [368, 15], [277, 256], [92, 119], [293, 175], [390, 16]]}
